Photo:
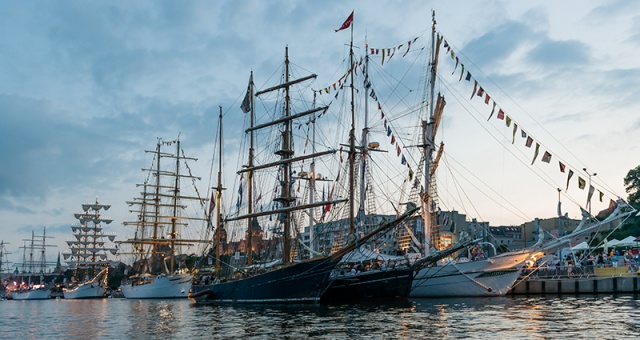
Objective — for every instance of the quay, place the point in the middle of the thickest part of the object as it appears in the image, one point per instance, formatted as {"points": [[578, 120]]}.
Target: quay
{"points": [[586, 281]]}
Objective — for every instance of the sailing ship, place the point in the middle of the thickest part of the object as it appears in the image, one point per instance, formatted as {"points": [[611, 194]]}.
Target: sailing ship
{"points": [[492, 276], [161, 228], [4, 268], [88, 254], [34, 265], [287, 279]]}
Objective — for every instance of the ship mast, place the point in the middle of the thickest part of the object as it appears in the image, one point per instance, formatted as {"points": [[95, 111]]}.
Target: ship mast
{"points": [[249, 174], [352, 146], [219, 189]]}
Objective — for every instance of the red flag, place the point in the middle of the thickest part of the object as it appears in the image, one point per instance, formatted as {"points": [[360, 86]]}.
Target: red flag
{"points": [[562, 168], [346, 23], [500, 114], [212, 205]]}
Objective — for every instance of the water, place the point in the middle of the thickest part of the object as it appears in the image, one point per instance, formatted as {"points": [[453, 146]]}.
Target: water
{"points": [[503, 318]]}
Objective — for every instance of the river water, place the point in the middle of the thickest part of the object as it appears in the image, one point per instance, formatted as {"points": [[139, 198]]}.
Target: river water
{"points": [[508, 317]]}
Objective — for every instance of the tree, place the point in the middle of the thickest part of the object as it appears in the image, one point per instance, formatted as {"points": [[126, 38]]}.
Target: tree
{"points": [[632, 186]]}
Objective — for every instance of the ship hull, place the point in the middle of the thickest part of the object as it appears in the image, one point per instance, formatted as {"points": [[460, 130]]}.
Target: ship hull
{"points": [[492, 277], [162, 287], [35, 294], [302, 282], [84, 291], [371, 286]]}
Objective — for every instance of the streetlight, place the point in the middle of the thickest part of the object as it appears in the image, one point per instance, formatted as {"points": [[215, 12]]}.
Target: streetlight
{"points": [[594, 175]]}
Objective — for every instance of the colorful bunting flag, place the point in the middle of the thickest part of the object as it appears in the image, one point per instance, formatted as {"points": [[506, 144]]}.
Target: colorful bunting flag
{"points": [[461, 72], [581, 183], [601, 195], [524, 134], [569, 178], [508, 121], [487, 98], [561, 166], [500, 114], [456, 67], [529, 142], [398, 150], [468, 77], [410, 175], [393, 139], [546, 157], [535, 153], [589, 195], [404, 160], [475, 87], [515, 129], [492, 110], [480, 92]]}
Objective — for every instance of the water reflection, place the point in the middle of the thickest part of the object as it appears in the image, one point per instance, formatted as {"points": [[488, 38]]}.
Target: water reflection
{"points": [[506, 317]]}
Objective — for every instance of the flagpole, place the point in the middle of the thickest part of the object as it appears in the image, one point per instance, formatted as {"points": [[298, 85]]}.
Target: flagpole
{"points": [[352, 146]]}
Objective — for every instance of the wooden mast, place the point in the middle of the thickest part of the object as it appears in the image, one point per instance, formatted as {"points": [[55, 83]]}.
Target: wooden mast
{"points": [[219, 189], [249, 175]]}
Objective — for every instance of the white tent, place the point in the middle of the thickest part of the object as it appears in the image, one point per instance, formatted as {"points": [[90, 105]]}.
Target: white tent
{"points": [[613, 243], [627, 242], [581, 246]]}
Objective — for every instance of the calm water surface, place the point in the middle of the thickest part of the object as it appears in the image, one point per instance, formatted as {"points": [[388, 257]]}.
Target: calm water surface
{"points": [[593, 317]]}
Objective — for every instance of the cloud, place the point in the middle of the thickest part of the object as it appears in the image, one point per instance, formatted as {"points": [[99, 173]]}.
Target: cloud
{"points": [[556, 54]]}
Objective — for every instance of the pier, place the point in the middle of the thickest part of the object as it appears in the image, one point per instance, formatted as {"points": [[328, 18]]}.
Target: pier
{"points": [[587, 281]]}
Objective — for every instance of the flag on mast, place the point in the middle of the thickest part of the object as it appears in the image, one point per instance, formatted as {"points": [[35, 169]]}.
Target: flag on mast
{"points": [[246, 102], [347, 23]]}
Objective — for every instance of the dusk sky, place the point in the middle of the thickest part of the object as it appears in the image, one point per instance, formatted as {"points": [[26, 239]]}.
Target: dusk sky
{"points": [[87, 86]]}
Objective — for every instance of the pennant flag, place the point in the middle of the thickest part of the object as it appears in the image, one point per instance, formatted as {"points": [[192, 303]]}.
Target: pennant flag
{"points": [[393, 139], [581, 183], [347, 23], [561, 166], [408, 48], [398, 150], [382, 57], [508, 121], [212, 205], [468, 77], [515, 129], [535, 153], [454, 69], [246, 102], [410, 175], [480, 92], [446, 44], [529, 142], [404, 160], [475, 86], [601, 195], [500, 114], [452, 54], [492, 110], [569, 178], [524, 134], [546, 157], [487, 98], [461, 72], [589, 195], [388, 131]]}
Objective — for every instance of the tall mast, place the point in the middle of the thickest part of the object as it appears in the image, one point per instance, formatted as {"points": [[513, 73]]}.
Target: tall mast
{"points": [[352, 144], [428, 145], [176, 192], [287, 151], [218, 201], [365, 140], [312, 179], [156, 217], [249, 175]]}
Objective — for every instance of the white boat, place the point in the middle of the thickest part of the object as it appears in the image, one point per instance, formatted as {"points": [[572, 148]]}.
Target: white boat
{"points": [[24, 287], [493, 276], [41, 293], [95, 288], [157, 286], [161, 218], [88, 253]]}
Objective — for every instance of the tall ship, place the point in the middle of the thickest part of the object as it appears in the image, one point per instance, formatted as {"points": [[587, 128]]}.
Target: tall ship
{"points": [[166, 226], [5, 269], [280, 272], [31, 283], [88, 255]]}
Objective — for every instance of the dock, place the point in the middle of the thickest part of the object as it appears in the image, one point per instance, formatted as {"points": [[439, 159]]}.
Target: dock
{"points": [[601, 281]]}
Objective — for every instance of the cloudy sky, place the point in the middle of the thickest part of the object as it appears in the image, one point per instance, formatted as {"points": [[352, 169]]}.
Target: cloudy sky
{"points": [[88, 86]]}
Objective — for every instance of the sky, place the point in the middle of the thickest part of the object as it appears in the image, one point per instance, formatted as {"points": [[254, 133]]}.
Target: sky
{"points": [[88, 86]]}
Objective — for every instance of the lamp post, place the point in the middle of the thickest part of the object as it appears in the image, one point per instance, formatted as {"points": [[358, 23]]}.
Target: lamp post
{"points": [[594, 175]]}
